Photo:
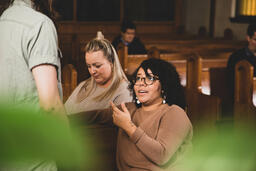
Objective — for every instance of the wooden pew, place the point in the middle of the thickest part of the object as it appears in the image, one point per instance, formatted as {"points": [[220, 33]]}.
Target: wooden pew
{"points": [[73, 43], [69, 80], [168, 46], [238, 106], [244, 110], [203, 110], [219, 87], [212, 61], [153, 52]]}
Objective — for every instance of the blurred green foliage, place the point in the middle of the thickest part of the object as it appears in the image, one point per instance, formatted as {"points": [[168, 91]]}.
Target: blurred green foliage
{"points": [[228, 149], [26, 134]]}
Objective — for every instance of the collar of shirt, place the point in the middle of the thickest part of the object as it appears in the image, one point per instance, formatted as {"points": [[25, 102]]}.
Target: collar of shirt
{"points": [[27, 3], [248, 52]]}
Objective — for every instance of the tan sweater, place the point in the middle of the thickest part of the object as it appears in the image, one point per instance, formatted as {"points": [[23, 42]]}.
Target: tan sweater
{"points": [[159, 142], [122, 94]]}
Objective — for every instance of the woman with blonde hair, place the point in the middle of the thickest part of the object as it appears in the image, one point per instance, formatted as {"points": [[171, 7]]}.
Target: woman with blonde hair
{"points": [[107, 82]]}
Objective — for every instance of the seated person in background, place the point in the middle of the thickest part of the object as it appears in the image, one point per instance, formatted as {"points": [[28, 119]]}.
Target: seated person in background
{"points": [[155, 130], [107, 82], [128, 38], [248, 53]]}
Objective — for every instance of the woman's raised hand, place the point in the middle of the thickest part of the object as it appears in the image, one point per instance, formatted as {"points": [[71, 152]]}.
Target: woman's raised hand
{"points": [[122, 119]]}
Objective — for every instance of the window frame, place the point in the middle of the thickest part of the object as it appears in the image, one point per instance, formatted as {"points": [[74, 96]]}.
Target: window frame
{"points": [[235, 14]]}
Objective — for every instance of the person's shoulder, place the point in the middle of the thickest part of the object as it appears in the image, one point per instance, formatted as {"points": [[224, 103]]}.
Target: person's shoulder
{"points": [[176, 113], [83, 83], [175, 110], [123, 91], [41, 19], [238, 52], [123, 84], [27, 16], [137, 39], [237, 55]]}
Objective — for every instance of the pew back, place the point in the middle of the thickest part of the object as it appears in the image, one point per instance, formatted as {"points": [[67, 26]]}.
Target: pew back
{"points": [[69, 80], [244, 110]]}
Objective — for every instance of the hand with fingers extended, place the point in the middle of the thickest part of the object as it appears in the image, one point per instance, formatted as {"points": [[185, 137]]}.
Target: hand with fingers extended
{"points": [[122, 119]]}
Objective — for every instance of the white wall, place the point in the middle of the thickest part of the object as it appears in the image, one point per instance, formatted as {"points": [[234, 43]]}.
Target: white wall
{"points": [[222, 15], [197, 13]]}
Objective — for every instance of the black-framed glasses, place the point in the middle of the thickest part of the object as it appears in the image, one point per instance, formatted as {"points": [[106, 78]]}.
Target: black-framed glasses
{"points": [[149, 80]]}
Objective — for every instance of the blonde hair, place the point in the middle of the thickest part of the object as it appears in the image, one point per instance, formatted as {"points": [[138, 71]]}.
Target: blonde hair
{"points": [[101, 44]]}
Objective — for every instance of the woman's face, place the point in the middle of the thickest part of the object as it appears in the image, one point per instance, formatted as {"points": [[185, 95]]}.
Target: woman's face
{"points": [[99, 68], [147, 94]]}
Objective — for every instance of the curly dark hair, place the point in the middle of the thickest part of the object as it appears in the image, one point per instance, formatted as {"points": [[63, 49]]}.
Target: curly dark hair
{"points": [[169, 79]]}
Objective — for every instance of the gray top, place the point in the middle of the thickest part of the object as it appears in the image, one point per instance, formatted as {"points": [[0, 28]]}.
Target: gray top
{"points": [[122, 94], [27, 39]]}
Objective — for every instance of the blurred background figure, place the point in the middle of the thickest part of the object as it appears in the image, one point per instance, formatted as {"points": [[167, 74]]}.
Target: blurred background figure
{"points": [[107, 82], [128, 38]]}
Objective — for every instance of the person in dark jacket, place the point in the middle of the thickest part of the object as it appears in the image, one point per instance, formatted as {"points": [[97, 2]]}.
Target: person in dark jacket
{"points": [[247, 53], [128, 38]]}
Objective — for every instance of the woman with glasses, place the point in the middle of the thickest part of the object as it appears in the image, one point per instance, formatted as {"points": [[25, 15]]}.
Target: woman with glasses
{"points": [[155, 130]]}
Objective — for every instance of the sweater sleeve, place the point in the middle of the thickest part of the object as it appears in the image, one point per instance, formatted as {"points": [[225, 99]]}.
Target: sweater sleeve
{"points": [[173, 130]]}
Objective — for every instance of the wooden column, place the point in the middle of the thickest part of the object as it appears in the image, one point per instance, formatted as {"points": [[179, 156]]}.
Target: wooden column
{"points": [[212, 18], [178, 12], [75, 10], [121, 10]]}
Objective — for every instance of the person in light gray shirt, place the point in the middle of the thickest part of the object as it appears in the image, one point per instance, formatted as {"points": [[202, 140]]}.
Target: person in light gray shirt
{"points": [[29, 64]]}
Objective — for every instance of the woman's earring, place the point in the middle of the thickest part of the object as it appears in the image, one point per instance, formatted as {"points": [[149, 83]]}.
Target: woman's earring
{"points": [[164, 101], [164, 97], [137, 101]]}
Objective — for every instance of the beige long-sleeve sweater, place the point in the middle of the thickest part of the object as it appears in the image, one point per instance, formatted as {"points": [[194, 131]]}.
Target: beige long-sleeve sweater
{"points": [[159, 142], [122, 94]]}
